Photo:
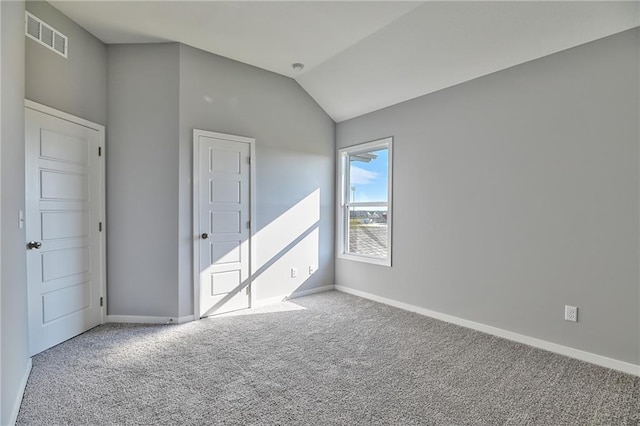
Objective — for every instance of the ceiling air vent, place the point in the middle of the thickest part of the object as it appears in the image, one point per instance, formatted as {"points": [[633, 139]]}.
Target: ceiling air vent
{"points": [[45, 34]]}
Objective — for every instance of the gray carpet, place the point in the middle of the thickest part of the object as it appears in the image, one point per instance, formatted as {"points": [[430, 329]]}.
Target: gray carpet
{"points": [[326, 359]]}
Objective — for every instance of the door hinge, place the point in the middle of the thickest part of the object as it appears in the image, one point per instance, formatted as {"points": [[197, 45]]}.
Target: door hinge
{"points": [[249, 160], [99, 151], [99, 226], [101, 301], [249, 224]]}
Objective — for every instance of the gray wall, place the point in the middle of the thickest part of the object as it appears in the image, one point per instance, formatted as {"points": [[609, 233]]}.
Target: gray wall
{"points": [[517, 193], [76, 85], [157, 95], [295, 158], [142, 179], [15, 352]]}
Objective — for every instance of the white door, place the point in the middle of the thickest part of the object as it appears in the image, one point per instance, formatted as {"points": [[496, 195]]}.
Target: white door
{"points": [[222, 209], [64, 187]]}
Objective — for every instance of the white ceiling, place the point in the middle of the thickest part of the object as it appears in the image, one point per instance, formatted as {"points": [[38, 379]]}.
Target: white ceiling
{"points": [[361, 56]]}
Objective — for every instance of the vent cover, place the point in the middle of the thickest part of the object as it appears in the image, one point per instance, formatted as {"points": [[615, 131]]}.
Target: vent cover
{"points": [[46, 35]]}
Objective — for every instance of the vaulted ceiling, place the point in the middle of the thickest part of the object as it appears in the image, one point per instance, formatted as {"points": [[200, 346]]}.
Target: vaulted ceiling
{"points": [[361, 56]]}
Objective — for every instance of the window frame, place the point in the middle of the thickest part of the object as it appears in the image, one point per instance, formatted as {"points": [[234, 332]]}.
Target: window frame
{"points": [[343, 204]]}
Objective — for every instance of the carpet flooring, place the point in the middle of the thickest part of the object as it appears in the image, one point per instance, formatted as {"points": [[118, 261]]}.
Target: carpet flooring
{"points": [[326, 359]]}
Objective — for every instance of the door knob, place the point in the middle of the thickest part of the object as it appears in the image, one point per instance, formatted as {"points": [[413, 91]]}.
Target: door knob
{"points": [[205, 236], [31, 245]]}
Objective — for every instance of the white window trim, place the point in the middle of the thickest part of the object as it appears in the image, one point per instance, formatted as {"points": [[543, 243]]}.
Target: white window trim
{"points": [[342, 201]]}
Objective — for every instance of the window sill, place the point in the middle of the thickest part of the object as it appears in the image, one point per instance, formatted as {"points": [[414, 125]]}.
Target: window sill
{"points": [[365, 259]]}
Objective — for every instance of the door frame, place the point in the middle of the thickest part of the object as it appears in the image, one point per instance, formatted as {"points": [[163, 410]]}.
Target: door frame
{"points": [[196, 210], [102, 242]]}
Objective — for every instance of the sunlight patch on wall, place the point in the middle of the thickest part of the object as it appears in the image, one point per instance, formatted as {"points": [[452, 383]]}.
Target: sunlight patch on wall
{"points": [[289, 226]]}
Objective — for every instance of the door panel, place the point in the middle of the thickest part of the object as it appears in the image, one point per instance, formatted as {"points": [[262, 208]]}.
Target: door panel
{"points": [[58, 185], [225, 192], [224, 282], [64, 263], [63, 183], [67, 224], [225, 252], [63, 147], [225, 222], [65, 301], [225, 161], [223, 215]]}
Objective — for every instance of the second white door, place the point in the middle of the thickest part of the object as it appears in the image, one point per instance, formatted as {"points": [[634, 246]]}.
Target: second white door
{"points": [[222, 174]]}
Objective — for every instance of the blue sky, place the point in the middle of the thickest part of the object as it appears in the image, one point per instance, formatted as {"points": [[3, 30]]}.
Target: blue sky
{"points": [[370, 179]]}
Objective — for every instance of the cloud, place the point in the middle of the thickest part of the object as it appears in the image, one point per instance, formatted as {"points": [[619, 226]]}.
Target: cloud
{"points": [[361, 176]]}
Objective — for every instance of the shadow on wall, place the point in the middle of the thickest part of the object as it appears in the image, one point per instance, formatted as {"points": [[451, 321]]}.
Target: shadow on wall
{"points": [[291, 240]]}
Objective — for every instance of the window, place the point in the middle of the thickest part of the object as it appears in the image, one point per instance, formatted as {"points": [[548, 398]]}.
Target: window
{"points": [[364, 216]]}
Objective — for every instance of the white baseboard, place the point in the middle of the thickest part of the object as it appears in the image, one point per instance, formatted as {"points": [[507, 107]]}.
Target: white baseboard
{"points": [[269, 301], [139, 319], [302, 293], [185, 318], [600, 360], [18, 401], [295, 294]]}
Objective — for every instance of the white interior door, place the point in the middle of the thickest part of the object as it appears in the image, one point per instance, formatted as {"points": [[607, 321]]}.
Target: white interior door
{"points": [[64, 188], [222, 222]]}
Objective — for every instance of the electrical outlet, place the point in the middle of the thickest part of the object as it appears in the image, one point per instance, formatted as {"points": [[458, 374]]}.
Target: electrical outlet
{"points": [[570, 313], [294, 272]]}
